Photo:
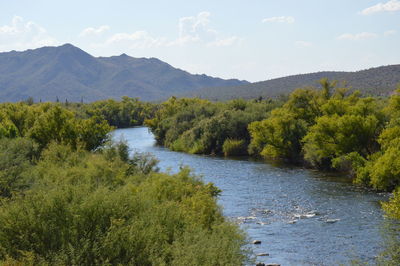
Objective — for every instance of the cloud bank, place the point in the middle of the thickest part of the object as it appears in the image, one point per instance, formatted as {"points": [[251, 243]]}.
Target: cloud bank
{"points": [[22, 35], [282, 19], [94, 31], [357, 36], [191, 30], [391, 6]]}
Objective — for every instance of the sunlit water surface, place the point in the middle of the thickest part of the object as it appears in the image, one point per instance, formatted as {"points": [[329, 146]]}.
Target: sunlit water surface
{"points": [[302, 217]]}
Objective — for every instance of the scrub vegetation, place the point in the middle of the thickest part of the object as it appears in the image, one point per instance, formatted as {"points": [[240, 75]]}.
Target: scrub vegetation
{"points": [[69, 196]]}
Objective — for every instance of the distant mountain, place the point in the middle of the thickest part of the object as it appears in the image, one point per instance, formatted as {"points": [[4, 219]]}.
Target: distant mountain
{"points": [[380, 81], [67, 72]]}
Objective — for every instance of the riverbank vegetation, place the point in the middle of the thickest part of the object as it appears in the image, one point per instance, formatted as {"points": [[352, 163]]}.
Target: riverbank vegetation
{"points": [[203, 127], [328, 129], [69, 196]]}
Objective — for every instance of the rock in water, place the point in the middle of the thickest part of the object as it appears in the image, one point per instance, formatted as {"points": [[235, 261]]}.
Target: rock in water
{"points": [[257, 242], [331, 221]]}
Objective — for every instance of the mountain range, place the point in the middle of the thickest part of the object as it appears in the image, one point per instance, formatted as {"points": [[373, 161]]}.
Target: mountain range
{"points": [[379, 81], [69, 73]]}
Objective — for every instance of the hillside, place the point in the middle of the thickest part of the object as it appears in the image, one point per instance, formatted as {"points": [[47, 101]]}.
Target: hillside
{"points": [[67, 72], [380, 81]]}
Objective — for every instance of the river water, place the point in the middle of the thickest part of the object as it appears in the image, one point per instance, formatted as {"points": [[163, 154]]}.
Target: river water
{"points": [[302, 217]]}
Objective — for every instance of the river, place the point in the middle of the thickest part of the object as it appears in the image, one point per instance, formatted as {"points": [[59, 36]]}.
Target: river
{"points": [[302, 217]]}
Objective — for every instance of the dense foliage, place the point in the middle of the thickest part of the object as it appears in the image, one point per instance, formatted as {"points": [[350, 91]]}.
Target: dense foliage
{"points": [[203, 127], [125, 113], [328, 129], [45, 123], [70, 197]]}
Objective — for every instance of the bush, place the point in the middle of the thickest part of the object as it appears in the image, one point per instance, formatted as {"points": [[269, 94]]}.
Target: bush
{"points": [[392, 208], [234, 147], [16, 159]]}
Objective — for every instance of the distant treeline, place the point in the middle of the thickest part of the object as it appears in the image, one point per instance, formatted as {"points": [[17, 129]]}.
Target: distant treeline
{"points": [[70, 196], [328, 129], [128, 112]]}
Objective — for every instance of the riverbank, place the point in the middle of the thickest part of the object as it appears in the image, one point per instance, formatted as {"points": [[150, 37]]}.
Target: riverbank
{"points": [[266, 199]]}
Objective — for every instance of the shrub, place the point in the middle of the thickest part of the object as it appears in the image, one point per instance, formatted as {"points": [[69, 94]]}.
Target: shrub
{"points": [[234, 147], [16, 159]]}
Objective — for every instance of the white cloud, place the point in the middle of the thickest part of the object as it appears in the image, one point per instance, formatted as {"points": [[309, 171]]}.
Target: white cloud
{"points": [[389, 32], [282, 19], [93, 31], [303, 44], [21, 35], [357, 36], [390, 6], [197, 29], [225, 42], [138, 39], [193, 29]]}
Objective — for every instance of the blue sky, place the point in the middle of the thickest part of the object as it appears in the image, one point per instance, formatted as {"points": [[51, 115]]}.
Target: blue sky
{"points": [[253, 40]]}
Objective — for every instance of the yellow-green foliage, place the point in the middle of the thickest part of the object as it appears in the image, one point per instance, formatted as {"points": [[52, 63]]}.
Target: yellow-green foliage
{"points": [[382, 170], [335, 131], [335, 136], [46, 123], [125, 113], [278, 136], [392, 207], [69, 197], [233, 147], [86, 208]]}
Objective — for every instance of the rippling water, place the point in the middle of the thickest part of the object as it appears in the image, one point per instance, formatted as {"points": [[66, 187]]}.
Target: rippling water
{"points": [[302, 217]]}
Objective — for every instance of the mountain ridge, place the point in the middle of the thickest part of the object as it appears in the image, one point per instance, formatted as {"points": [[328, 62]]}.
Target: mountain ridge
{"points": [[68, 72], [376, 81]]}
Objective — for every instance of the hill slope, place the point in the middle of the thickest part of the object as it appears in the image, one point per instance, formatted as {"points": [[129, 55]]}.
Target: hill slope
{"points": [[67, 72], [380, 81]]}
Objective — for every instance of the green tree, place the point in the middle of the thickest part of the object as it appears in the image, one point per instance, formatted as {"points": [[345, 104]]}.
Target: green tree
{"points": [[279, 136], [335, 136]]}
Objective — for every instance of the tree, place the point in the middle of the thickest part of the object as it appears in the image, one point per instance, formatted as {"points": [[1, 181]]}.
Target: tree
{"points": [[279, 136], [335, 136]]}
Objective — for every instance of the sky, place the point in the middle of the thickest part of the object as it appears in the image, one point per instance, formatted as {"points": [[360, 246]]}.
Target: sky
{"points": [[252, 40]]}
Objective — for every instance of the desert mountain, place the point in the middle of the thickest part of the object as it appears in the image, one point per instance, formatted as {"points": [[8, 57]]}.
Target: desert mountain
{"points": [[379, 81], [67, 72]]}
